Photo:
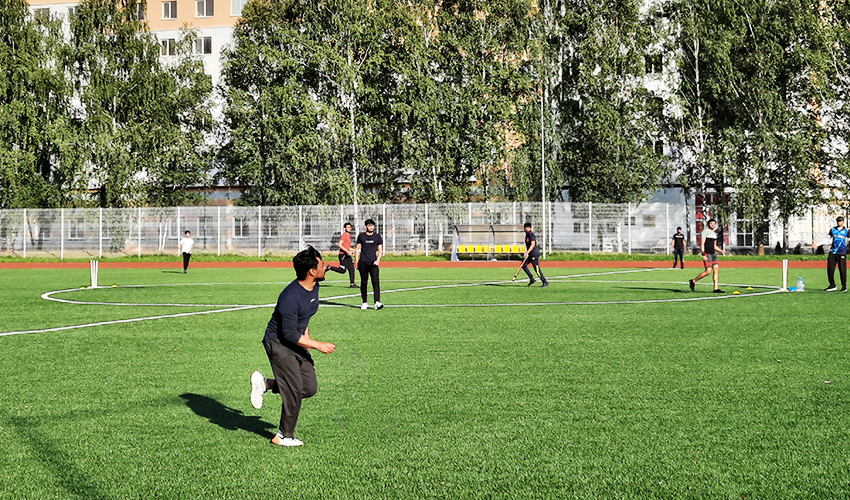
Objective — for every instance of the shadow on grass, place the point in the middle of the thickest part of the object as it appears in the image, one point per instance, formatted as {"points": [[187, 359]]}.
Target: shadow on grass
{"points": [[225, 416], [657, 289], [172, 272]]}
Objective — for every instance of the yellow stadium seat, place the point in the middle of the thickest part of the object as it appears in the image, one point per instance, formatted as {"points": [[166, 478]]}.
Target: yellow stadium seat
{"points": [[478, 249], [461, 248], [497, 248], [514, 249], [486, 248], [522, 248]]}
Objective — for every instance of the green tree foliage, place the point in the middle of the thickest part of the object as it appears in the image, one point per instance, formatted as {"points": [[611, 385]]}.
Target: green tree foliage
{"points": [[607, 119], [756, 80], [33, 100], [140, 124]]}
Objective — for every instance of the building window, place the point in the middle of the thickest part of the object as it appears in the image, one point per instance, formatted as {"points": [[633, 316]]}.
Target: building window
{"points": [[169, 10], [653, 63], [204, 8], [73, 11], [240, 227], [236, 7], [142, 13], [41, 15], [168, 47], [648, 221], [577, 227], [203, 45], [75, 229]]}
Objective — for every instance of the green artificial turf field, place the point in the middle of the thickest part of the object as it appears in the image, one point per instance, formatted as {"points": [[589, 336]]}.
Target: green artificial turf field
{"points": [[465, 386]]}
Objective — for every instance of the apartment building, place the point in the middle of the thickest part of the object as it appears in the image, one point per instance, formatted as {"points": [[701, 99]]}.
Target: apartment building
{"points": [[214, 20]]}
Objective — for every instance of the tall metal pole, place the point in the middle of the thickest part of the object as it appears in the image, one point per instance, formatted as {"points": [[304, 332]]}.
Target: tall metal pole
{"points": [[543, 168]]}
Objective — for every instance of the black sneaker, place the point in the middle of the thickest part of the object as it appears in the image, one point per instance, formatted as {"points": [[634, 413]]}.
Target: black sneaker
{"points": [[533, 281], [691, 284], [831, 288], [546, 283], [353, 285], [717, 290], [843, 290]]}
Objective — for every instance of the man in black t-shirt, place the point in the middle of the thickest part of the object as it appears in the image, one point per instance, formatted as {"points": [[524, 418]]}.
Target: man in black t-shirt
{"points": [[287, 342], [678, 246], [532, 256], [367, 257]]}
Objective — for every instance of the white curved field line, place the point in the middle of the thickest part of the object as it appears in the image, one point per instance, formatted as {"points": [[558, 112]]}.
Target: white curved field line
{"points": [[220, 308]]}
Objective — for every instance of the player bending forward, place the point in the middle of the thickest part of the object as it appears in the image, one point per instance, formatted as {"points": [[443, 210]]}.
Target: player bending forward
{"points": [[287, 342]]}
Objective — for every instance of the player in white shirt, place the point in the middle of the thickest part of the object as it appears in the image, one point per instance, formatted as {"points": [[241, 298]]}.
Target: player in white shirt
{"points": [[186, 244], [709, 249]]}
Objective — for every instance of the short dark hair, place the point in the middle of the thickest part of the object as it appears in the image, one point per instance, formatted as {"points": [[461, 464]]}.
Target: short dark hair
{"points": [[711, 220], [305, 260], [679, 228], [527, 224], [369, 221], [347, 224], [186, 232]]}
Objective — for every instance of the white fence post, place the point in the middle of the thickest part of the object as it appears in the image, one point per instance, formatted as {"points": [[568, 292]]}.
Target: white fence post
{"points": [[260, 231], [667, 207], [140, 231], [426, 229], [299, 228], [24, 234], [629, 222], [590, 227], [62, 234], [100, 234], [178, 227], [219, 231]]}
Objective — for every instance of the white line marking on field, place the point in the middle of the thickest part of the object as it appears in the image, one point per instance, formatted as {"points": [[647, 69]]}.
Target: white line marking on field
{"points": [[242, 307]]}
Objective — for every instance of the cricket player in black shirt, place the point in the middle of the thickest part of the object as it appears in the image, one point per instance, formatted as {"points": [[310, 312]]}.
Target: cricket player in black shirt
{"points": [[287, 342], [532, 256], [367, 257], [678, 246]]}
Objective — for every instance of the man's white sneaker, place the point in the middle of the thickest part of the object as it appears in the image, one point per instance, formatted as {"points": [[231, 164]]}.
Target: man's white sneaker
{"points": [[258, 387], [379, 305], [279, 440], [364, 306], [831, 288]]}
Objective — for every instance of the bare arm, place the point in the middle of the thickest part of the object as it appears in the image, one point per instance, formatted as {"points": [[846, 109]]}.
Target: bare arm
{"points": [[357, 255], [379, 254]]}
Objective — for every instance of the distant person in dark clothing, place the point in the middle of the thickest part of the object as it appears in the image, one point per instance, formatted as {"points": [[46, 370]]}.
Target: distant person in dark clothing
{"points": [[678, 246], [367, 257], [287, 342], [532, 256]]}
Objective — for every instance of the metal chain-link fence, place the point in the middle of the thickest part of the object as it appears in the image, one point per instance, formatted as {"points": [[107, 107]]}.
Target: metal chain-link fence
{"points": [[421, 228]]}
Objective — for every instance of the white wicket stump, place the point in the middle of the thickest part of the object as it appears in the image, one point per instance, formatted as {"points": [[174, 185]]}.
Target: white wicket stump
{"points": [[94, 265], [784, 275]]}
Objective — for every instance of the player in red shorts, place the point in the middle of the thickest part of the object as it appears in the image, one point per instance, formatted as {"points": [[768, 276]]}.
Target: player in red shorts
{"points": [[709, 249]]}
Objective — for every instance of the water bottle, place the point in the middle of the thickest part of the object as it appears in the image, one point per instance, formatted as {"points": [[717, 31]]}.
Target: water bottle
{"points": [[801, 285]]}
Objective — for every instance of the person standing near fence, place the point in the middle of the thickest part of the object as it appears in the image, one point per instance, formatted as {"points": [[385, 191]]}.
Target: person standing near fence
{"points": [[532, 256], [678, 246], [837, 254], [186, 244], [709, 248], [345, 253], [287, 343], [367, 257]]}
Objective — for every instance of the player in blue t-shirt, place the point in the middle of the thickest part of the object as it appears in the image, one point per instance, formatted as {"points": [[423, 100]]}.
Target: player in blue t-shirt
{"points": [[837, 254]]}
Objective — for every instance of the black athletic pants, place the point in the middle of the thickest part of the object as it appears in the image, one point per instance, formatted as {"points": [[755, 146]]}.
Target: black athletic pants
{"points": [[534, 261], [186, 257], [367, 270], [294, 380], [346, 262], [841, 260], [679, 256]]}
